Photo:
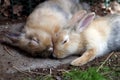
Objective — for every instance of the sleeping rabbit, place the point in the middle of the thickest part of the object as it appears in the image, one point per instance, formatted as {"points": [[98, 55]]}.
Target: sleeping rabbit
{"points": [[89, 36], [47, 19]]}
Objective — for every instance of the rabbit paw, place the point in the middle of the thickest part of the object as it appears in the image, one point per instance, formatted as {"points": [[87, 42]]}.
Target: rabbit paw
{"points": [[78, 62]]}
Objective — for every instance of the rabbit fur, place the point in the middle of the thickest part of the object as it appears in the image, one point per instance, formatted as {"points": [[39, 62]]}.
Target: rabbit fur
{"points": [[91, 37], [47, 19]]}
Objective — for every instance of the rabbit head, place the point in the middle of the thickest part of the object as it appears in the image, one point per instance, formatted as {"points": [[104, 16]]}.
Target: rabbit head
{"points": [[71, 40], [32, 44], [32, 39]]}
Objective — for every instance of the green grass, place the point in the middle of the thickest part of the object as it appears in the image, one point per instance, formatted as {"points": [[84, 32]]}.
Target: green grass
{"points": [[90, 74]]}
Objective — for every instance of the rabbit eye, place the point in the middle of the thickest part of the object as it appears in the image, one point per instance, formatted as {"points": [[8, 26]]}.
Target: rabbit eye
{"points": [[64, 42], [66, 39], [35, 40]]}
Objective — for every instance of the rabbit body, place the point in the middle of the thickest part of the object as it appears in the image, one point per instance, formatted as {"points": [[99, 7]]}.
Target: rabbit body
{"points": [[101, 36], [48, 18]]}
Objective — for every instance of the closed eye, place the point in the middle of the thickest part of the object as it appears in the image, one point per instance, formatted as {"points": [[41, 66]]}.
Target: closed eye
{"points": [[36, 40], [33, 40]]}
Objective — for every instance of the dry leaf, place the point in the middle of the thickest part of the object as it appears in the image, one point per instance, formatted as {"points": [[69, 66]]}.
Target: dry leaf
{"points": [[6, 2], [17, 9]]}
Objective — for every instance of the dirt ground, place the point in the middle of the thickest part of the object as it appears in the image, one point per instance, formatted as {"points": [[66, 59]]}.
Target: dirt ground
{"points": [[14, 65]]}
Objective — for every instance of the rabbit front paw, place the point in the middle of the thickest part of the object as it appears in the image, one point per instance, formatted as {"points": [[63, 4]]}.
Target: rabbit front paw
{"points": [[78, 62]]}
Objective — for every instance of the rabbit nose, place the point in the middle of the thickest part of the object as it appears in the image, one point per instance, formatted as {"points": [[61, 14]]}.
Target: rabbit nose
{"points": [[50, 49]]}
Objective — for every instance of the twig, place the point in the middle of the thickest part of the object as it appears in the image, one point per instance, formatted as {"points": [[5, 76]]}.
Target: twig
{"points": [[63, 70], [50, 71], [26, 73], [37, 73], [21, 71], [105, 73], [105, 61], [8, 51]]}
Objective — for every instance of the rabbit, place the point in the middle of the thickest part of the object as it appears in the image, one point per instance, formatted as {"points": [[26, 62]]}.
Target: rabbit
{"points": [[114, 7], [47, 19], [89, 37]]}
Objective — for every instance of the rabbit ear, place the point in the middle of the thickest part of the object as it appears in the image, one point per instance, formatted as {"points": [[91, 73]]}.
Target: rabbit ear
{"points": [[85, 21], [76, 18], [15, 38]]}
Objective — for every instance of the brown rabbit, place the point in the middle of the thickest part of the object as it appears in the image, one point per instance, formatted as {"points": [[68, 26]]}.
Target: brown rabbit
{"points": [[94, 37], [47, 19]]}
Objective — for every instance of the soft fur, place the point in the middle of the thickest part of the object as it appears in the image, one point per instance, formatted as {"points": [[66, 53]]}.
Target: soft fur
{"points": [[47, 19], [94, 37]]}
